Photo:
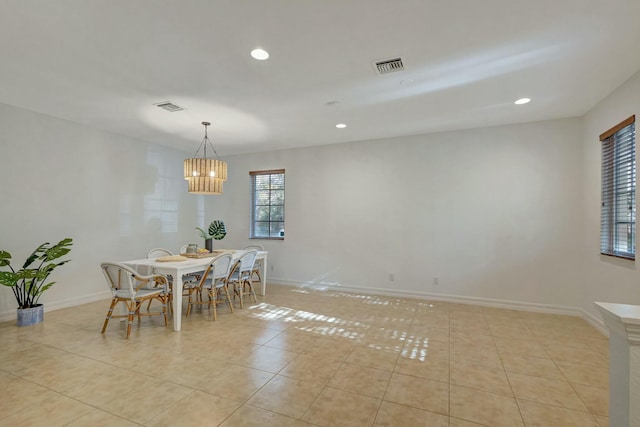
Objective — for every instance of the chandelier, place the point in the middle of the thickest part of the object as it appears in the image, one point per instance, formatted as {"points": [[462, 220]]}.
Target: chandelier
{"points": [[205, 175]]}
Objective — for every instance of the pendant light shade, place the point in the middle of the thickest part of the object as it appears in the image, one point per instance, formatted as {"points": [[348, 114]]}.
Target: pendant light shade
{"points": [[205, 175]]}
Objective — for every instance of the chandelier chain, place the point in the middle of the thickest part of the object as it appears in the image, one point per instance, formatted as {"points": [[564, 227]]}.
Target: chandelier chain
{"points": [[203, 144]]}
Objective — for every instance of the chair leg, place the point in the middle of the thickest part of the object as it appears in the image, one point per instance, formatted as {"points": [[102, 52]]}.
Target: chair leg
{"points": [[132, 311], [257, 273], [190, 302], [234, 291], [138, 307], [213, 292], [109, 314], [251, 291], [164, 300], [226, 291], [170, 298], [240, 294]]}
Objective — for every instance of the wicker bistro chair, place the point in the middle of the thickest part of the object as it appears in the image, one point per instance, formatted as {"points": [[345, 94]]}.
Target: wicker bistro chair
{"points": [[155, 253], [187, 279], [257, 266], [213, 282], [240, 275], [158, 252], [132, 289]]}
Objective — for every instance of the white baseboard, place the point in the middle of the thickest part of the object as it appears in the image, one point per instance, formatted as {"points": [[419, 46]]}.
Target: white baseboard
{"points": [[57, 305], [486, 302], [594, 321]]}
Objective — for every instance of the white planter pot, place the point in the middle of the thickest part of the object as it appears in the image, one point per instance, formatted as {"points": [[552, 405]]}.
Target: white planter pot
{"points": [[30, 316]]}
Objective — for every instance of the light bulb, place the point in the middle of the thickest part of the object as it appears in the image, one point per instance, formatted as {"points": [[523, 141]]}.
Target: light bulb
{"points": [[212, 173]]}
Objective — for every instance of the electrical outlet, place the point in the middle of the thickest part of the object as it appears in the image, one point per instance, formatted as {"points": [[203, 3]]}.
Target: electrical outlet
{"points": [[436, 281], [392, 277]]}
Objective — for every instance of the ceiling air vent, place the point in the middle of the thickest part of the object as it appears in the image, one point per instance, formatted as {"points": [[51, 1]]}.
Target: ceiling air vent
{"points": [[169, 106], [389, 66]]}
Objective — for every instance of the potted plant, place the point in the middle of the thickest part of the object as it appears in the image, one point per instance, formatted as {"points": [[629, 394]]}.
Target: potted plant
{"points": [[216, 230], [29, 282]]}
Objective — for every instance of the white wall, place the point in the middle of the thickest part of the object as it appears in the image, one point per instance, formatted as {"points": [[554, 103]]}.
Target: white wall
{"points": [[492, 213], [116, 198], [506, 213], [606, 279]]}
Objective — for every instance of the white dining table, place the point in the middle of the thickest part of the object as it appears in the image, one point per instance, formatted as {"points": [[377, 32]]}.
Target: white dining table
{"points": [[189, 266]]}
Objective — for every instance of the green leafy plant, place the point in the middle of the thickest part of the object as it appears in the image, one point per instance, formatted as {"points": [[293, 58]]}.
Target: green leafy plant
{"points": [[29, 282], [216, 230]]}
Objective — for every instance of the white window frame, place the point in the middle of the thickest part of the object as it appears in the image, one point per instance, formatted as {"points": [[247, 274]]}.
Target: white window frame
{"points": [[618, 205], [255, 205]]}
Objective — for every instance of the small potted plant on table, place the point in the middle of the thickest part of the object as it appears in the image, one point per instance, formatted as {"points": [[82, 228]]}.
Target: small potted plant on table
{"points": [[216, 230], [29, 282]]}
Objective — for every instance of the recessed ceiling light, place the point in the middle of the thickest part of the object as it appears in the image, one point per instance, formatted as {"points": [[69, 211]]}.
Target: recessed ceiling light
{"points": [[260, 54], [523, 101], [341, 126]]}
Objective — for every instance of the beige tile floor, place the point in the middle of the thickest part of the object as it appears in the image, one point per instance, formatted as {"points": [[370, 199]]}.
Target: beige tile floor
{"points": [[303, 357]]}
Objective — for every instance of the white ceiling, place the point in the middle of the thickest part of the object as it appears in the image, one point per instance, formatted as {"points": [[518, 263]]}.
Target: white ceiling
{"points": [[104, 63]]}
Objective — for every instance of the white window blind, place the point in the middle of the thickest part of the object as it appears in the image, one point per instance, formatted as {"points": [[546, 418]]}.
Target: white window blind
{"points": [[267, 204], [618, 214]]}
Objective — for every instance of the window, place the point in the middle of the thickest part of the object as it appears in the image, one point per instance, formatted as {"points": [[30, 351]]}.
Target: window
{"points": [[267, 204], [618, 215]]}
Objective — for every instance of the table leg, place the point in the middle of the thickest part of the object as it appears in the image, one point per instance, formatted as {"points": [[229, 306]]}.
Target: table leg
{"points": [[263, 277], [177, 302]]}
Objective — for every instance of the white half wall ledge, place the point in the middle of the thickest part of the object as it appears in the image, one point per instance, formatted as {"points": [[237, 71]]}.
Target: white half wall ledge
{"points": [[623, 321], [622, 314], [457, 299]]}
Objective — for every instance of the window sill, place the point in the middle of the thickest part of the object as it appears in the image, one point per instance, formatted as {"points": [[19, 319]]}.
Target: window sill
{"points": [[629, 257], [266, 238]]}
